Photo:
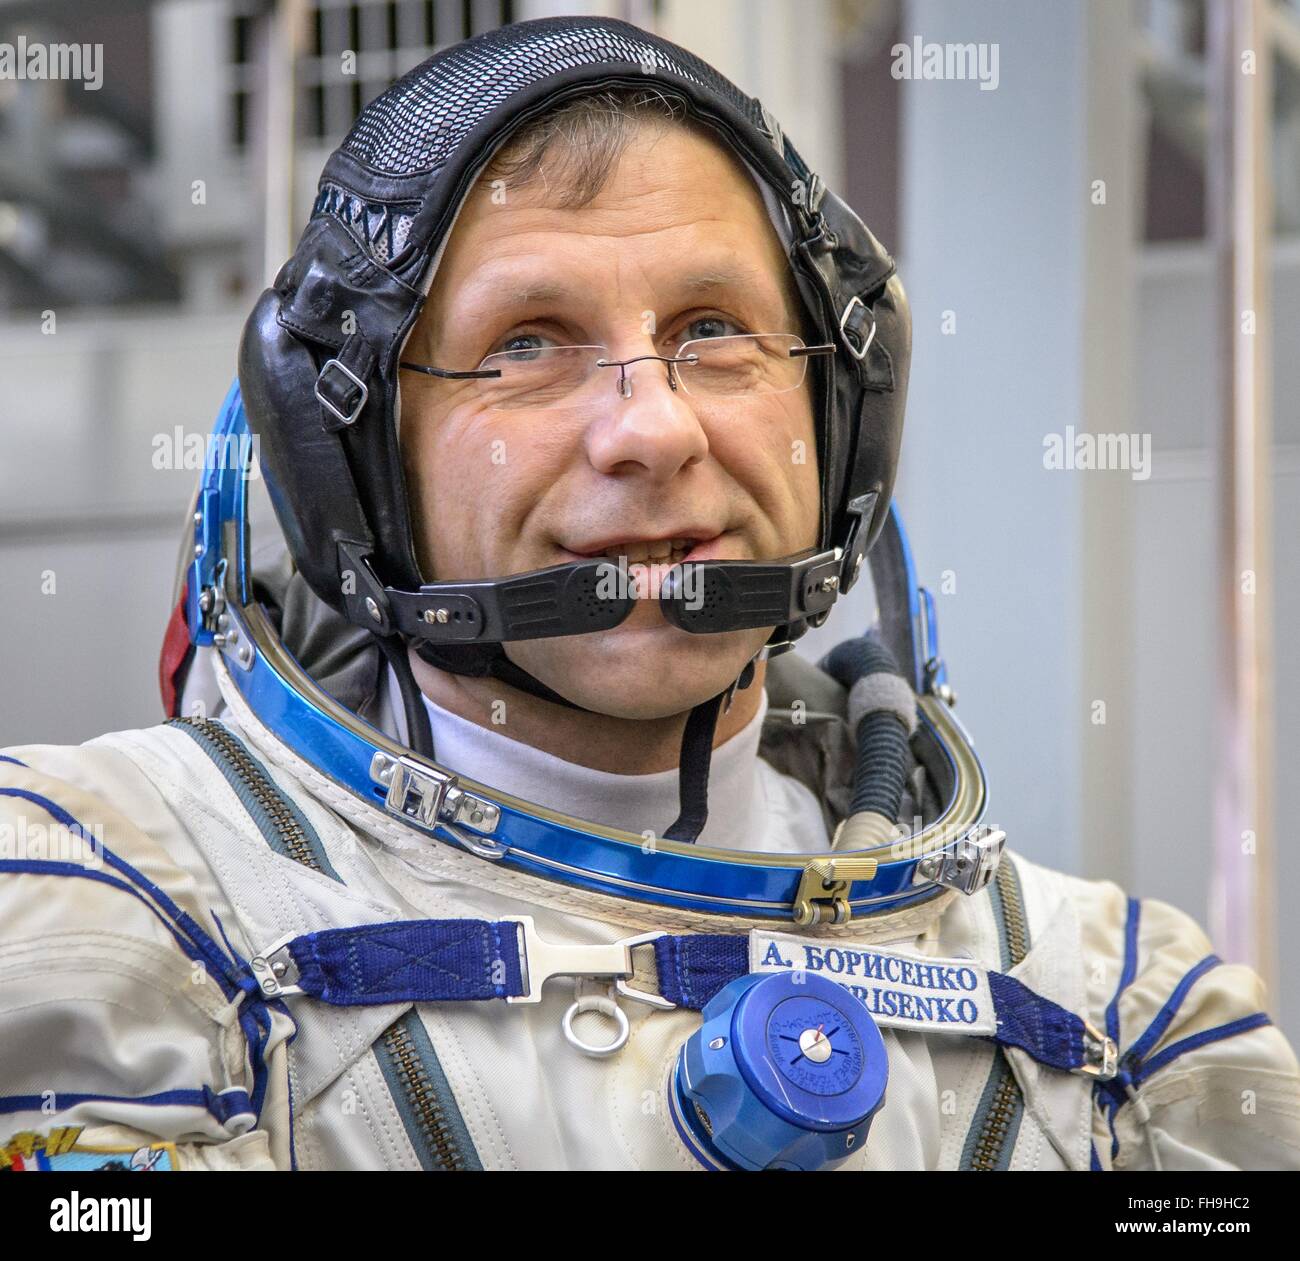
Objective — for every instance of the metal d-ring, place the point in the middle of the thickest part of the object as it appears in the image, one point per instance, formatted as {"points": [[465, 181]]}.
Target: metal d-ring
{"points": [[604, 1004]]}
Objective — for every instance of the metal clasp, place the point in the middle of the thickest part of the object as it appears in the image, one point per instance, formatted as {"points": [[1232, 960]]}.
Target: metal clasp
{"points": [[413, 792], [545, 959], [212, 605], [933, 672], [1102, 1054], [275, 970], [423, 795], [967, 864]]}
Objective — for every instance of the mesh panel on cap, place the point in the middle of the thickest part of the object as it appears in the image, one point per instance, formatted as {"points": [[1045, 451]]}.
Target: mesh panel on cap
{"points": [[383, 226], [424, 116]]}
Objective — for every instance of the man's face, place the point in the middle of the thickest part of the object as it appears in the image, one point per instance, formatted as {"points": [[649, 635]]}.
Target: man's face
{"points": [[676, 246]]}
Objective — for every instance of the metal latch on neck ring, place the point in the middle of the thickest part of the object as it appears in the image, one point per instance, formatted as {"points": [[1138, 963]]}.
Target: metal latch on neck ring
{"points": [[425, 797], [823, 893], [967, 864]]}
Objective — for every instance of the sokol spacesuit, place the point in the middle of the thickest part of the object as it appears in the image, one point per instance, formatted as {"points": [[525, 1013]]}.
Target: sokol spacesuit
{"points": [[278, 932]]}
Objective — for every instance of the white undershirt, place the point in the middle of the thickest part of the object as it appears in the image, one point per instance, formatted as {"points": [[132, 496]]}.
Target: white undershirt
{"points": [[752, 805]]}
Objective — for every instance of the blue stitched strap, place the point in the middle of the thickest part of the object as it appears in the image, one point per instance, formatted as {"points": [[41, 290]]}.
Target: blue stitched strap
{"points": [[693, 969], [421, 961], [460, 959], [1044, 1030]]}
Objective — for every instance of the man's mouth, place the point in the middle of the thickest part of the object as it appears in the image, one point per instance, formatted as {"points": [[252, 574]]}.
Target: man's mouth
{"points": [[671, 550], [647, 562], [660, 552]]}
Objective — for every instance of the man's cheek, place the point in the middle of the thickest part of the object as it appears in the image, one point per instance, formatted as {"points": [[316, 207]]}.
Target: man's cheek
{"points": [[475, 533]]}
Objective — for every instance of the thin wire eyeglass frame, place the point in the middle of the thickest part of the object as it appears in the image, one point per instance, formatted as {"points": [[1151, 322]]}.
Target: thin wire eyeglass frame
{"points": [[624, 382]]}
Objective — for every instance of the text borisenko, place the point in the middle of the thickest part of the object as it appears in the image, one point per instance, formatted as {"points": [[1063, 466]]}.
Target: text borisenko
{"points": [[909, 993]]}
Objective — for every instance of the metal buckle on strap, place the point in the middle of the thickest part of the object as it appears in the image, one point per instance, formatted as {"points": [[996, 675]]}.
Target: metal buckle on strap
{"points": [[345, 418], [545, 959], [967, 864], [275, 969], [871, 336], [1102, 1054]]}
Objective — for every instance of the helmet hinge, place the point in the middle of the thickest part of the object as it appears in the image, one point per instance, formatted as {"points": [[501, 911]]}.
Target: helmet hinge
{"points": [[363, 594], [861, 510]]}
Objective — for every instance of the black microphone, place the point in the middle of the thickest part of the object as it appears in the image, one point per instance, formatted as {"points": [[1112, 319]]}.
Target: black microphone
{"points": [[561, 600], [711, 596]]}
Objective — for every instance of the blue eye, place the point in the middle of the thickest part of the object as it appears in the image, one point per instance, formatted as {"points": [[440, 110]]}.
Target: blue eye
{"points": [[716, 321], [519, 344]]}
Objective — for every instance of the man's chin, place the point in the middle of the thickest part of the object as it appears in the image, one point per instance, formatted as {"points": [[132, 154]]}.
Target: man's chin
{"points": [[639, 672]]}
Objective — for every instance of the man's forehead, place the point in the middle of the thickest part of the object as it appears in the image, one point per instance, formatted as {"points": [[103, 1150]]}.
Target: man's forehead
{"points": [[505, 287], [691, 224]]}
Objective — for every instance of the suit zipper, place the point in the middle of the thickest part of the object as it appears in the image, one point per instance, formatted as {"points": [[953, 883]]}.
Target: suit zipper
{"points": [[1006, 1102], [421, 1094], [411, 1072], [287, 827]]}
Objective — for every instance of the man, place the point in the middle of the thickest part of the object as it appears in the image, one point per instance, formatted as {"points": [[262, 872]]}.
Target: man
{"points": [[503, 709]]}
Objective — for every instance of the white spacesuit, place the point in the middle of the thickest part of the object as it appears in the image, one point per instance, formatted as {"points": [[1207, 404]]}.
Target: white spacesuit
{"points": [[279, 932], [109, 1025]]}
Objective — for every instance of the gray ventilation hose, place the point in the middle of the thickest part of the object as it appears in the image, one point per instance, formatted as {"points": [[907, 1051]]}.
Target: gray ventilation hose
{"points": [[882, 711]]}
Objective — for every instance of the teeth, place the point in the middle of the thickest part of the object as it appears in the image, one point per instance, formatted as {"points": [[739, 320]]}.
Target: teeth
{"points": [[639, 553]]}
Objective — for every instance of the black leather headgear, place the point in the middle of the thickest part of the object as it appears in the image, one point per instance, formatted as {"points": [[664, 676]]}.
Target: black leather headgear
{"points": [[319, 357]]}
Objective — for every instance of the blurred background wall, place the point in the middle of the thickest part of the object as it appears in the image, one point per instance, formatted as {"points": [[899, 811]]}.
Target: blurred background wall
{"points": [[1052, 226]]}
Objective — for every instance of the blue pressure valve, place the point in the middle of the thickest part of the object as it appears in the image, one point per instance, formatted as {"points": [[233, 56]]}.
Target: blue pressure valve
{"points": [[786, 1072]]}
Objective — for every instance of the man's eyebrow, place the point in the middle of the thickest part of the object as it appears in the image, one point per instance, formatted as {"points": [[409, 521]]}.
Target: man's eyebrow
{"points": [[723, 278], [494, 291], [539, 291]]}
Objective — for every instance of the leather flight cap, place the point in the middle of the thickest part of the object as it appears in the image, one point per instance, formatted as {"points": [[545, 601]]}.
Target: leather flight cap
{"points": [[319, 356]]}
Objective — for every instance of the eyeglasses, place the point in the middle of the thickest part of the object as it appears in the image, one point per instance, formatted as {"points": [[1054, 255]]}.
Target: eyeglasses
{"points": [[544, 377]]}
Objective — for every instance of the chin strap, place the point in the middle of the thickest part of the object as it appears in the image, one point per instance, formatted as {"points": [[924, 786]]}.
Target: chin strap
{"points": [[693, 772], [696, 758], [419, 732]]}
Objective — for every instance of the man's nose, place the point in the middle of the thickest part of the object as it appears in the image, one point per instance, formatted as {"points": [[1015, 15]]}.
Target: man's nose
{"points": [[653, 427]]}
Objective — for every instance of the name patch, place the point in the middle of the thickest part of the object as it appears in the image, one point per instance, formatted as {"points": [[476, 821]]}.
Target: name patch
{"points": [[902, 991]]}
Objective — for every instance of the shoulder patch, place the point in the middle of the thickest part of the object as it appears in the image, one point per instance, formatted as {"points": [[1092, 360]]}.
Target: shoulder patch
{"points": [[60, 1152]]}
